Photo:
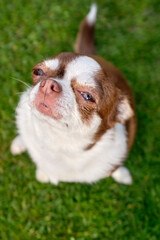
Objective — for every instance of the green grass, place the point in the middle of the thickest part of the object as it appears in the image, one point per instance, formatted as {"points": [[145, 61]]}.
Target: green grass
{"points": [[127, 34]]}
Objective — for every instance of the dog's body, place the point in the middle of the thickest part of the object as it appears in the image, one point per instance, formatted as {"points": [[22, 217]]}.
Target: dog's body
{"points": [[78, 121]]}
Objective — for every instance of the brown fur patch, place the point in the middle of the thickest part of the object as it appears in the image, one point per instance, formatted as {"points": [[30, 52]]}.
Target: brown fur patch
{"points": [[107, 104]]}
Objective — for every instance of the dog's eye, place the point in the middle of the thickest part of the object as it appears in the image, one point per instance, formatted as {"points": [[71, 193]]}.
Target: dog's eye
{"points": [[87, 97], [38, 72]]}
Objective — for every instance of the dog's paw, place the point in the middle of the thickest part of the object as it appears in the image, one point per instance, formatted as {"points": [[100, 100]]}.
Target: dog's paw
{"points": [[122, 175], [41, 176], [17, 146], [53, 181]]}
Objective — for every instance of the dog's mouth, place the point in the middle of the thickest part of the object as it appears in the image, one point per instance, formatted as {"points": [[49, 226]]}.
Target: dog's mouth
{"points": [[44, 108], [44, 105]]}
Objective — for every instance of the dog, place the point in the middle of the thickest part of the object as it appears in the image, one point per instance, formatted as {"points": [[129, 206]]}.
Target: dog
{"points": [[78, 120]]}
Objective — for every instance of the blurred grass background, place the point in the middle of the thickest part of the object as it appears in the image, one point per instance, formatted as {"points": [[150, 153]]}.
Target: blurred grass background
{"points": [[128, 35]]}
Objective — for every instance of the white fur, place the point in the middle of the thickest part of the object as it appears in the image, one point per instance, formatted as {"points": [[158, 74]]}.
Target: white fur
{"points": [[41, 176], [83, 69], [125, 111], [57, 146], [52, 63], [91, 17], [122, 175]]}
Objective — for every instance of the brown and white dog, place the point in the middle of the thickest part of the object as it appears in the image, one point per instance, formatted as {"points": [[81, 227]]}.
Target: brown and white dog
{"points": [[78, 120]]}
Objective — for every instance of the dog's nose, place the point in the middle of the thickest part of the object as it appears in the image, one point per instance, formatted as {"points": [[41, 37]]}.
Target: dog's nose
{"points": [[50, 86]]}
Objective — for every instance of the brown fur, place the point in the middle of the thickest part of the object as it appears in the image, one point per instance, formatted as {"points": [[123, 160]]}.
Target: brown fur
{"points": [[85, 39]]}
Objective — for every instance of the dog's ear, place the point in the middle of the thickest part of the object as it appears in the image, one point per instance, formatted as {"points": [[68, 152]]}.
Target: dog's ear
{"points": [[122, 110]]}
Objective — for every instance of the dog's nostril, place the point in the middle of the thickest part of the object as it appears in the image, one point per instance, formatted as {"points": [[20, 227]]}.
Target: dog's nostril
{"points": [[42, 84], [52, 87], [55, 87]]}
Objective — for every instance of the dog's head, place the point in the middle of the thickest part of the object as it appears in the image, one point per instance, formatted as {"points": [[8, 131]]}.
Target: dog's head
{"points": [[74, 90]]}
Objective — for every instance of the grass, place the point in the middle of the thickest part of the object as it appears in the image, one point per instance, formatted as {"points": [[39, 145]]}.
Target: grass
{"points": [[127, 34]]}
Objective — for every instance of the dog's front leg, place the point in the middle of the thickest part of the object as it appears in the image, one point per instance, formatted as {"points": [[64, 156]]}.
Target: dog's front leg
{"points": [[17, 146]]}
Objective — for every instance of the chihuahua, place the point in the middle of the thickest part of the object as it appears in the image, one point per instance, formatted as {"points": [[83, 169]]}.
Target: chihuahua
{"points": [[78, 120]]}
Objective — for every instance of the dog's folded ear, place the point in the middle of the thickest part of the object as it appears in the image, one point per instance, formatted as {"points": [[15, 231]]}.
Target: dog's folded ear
{"points": [[123, 110]]}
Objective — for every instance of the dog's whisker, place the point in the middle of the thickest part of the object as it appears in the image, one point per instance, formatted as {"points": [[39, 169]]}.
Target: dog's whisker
{"points": [[19, 80]]}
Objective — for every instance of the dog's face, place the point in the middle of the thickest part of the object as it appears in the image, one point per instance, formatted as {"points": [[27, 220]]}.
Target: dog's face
{"points": [[74, 90]]}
